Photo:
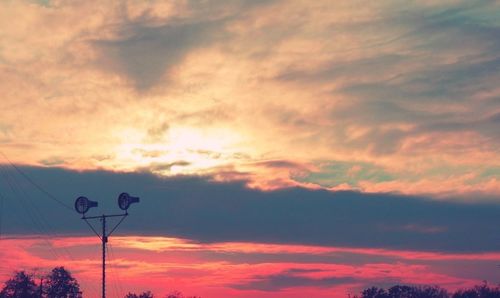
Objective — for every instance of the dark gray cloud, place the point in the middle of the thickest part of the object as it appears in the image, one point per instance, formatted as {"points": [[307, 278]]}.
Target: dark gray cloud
{"points": [[167, 166], [289, 279], [292, 278], [334, 173], [206, 211], [488, 126], [475, 268], [146, 48], [343, 258], [415, 56], [156, 133], [458, 81], [341, 69], [145, 52], [53, 161], [286, 164]]}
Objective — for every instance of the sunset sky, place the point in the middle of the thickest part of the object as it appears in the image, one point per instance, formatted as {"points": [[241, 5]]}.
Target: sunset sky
{"points": [[280, 148]]}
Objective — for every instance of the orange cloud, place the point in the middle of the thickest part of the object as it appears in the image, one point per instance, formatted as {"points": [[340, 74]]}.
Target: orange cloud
{"points": [[180, 89]]}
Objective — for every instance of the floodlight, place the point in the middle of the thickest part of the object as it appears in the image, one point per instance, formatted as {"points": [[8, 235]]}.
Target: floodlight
{"points": [[82, 205], [124, 200]]}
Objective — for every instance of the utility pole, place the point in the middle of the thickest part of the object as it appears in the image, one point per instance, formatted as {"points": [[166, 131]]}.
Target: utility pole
{"points": [[104, 240], [83, 204]]}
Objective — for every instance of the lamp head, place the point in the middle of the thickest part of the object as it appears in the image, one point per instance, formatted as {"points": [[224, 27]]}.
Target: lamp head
{"points": [[124, 200], [82, 205]]}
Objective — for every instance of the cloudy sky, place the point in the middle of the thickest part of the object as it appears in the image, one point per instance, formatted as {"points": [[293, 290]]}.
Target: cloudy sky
{"points": [[326, 145]]}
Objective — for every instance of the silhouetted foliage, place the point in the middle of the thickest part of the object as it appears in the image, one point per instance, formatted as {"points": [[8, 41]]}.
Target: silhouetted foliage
{"points": [[177, 294], [482, 291], [405, 292], [21, 285], [60, 284], [147, 294], [57, 284], [399, 291]]}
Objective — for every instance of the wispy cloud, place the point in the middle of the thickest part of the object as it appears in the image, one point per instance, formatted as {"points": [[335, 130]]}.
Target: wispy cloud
{"points": [[409, 90]]}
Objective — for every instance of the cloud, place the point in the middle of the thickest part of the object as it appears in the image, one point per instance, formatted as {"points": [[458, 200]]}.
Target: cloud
{"points": [[272, 270], [157, 132], [289, 279], [160, 167], [406, 92], [146, 52], [200, 209], [413, 80], [55, 161], [330, 174], [146, 48]]}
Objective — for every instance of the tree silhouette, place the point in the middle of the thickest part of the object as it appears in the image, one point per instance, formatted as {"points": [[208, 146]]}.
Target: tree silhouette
{"points": [[482, 291], [60, 284], [147, 294], [175, 294], [21, 285], [373, 292], [399, 291]]}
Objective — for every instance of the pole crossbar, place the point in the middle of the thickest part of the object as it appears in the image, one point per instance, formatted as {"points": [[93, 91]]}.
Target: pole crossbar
{"points": [[100, 216]]}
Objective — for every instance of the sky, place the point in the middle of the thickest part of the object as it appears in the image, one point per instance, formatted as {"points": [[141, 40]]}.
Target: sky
{"points": [[280, 148]]}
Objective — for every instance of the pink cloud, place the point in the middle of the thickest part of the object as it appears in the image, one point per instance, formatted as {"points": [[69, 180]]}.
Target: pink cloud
{"points": [[162, 264]]}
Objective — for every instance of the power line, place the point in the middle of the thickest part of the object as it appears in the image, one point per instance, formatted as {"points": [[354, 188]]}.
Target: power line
{"points": [[2, 199], [39, 225], [115, 269], [48, 194]]}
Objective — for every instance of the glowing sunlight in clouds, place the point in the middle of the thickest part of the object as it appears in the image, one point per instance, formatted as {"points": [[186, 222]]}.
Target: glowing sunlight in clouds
{"points": [[181, 150]]}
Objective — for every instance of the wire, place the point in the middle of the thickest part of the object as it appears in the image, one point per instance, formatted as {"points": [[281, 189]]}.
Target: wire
{"points": [[2, 199], [41, 226], [116, 271], [112, 274], [49, 195], [37, 224]]}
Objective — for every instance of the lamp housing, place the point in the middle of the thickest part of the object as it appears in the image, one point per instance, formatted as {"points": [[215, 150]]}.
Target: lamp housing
{"points": [[83, 204], [125, 200]]}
